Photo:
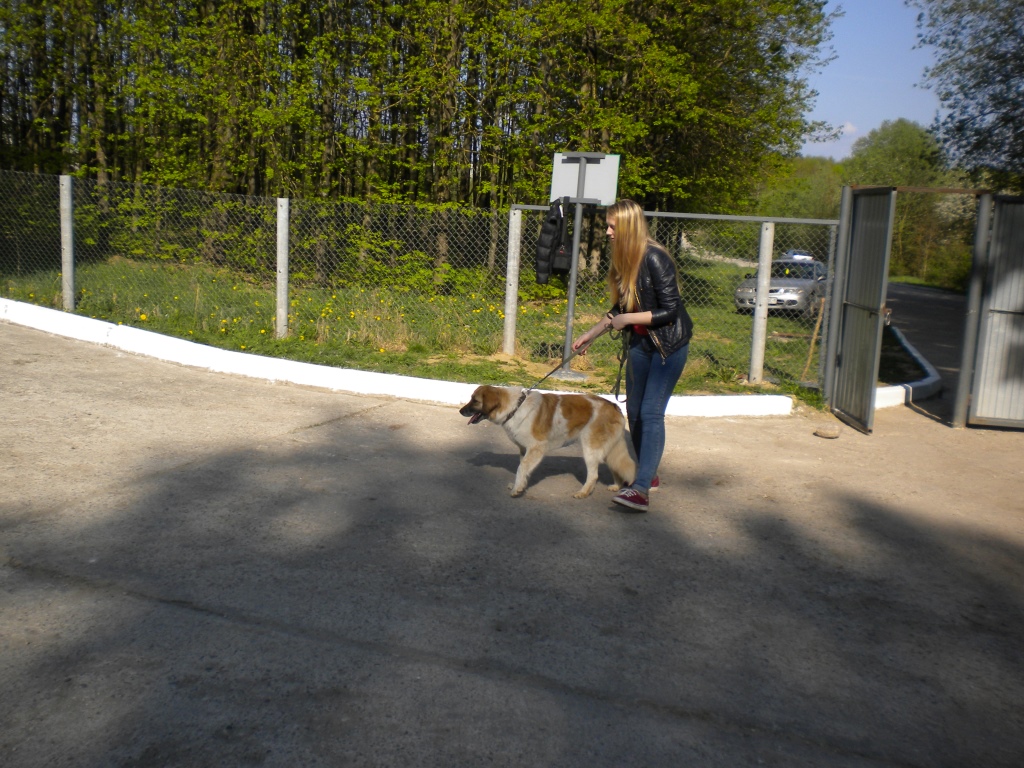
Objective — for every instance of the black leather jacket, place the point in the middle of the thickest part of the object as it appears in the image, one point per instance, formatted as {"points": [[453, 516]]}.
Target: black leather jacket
{"points": [[657, 290]]}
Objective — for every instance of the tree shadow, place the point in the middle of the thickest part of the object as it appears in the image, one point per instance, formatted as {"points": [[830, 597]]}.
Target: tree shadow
{"points": [[365, 599]]}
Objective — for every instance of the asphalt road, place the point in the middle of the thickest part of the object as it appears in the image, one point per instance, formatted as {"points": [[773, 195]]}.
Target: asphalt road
{"points": [[198, 569], [933, 322]]}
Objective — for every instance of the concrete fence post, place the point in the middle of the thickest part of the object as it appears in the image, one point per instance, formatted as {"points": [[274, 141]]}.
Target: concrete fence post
{"points": [[67, 244], [515, 230], [281, 325], [759, 334]]}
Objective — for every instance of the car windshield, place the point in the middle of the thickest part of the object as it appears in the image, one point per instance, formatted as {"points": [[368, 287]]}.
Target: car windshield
{"points": [[789, 269]]}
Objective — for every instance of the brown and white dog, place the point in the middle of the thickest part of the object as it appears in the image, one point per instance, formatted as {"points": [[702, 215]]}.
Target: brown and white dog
{"points": [[539, 422]]}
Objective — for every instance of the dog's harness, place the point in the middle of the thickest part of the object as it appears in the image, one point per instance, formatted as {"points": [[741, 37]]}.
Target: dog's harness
{"points": [[522, 397]]}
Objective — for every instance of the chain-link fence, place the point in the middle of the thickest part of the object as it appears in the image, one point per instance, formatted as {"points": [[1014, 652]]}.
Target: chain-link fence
{"points": [[716, 256], [395, 278], [363, 278], [377, 287], [30, 249]]}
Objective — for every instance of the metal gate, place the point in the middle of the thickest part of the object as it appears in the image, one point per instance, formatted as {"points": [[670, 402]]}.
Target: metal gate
{"points": [[994, 374], [858, 298]]}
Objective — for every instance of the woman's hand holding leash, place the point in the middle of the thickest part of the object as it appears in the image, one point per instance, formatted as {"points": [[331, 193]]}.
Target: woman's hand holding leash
{"points": [[610, 322], [583, 342], [621, 320]]}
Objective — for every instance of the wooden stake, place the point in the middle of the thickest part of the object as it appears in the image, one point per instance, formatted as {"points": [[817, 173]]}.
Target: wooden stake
{"points": [[814, 337]]}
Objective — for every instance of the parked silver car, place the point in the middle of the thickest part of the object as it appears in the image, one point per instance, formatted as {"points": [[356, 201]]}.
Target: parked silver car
{"points": [[797, 286]]}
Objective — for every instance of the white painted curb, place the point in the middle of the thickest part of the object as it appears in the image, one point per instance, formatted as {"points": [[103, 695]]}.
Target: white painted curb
{"points": [[190, 353], [905, 394]]}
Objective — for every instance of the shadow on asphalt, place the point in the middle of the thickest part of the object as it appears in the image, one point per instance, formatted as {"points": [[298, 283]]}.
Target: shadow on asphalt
{"points": [[260, 608]]}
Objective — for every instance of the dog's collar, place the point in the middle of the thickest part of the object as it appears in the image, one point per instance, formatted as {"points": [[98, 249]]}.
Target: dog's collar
{"points": [[522, 399]]}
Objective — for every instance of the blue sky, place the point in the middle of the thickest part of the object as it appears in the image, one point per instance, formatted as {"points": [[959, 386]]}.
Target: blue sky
{"points": [[874, 74]]}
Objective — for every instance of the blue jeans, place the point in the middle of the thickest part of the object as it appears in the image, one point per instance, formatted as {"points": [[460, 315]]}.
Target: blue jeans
{"points": [[649, 384]]}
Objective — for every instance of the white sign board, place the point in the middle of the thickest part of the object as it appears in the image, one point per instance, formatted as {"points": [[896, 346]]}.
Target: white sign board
{"points": [[601, 181]]}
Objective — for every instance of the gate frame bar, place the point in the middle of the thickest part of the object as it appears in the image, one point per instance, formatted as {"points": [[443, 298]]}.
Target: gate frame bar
{"points": [[972, 321]]}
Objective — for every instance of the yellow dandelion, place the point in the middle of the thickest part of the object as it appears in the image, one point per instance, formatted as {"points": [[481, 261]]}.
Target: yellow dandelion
{"points": [[142, 317]]}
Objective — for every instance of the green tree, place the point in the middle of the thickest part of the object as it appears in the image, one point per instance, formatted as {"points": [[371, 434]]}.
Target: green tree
{"points": [[927, 231], [801, 188], [434, 101], [979, 79], [898, 153]]}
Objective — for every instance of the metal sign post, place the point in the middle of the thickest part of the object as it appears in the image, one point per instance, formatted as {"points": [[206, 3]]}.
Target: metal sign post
{"points": [[597, 189]]}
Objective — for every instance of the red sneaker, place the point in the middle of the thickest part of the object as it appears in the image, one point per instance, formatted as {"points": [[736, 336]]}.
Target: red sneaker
{"points": [[655, 484], [632, 498]]}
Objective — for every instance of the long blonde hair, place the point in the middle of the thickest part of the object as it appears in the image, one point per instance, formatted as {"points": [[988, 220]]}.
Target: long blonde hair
{"points": [[628, 248]]}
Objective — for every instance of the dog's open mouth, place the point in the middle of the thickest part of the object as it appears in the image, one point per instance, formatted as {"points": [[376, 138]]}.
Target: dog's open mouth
{"points": [[475, 418]]}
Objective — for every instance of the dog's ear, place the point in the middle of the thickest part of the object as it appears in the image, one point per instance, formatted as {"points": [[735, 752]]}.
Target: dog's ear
{"points": [[491, 399], [478, 397]]}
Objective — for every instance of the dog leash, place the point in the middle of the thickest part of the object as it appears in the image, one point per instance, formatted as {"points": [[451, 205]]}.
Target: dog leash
{"points": [[522, 397], [623, 358]]}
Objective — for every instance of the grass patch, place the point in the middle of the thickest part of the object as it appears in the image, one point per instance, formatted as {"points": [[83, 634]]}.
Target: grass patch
{"points": [[446, 334], [921, 282]]}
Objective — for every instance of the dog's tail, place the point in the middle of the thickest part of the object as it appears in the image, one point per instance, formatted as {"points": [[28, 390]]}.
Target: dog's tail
{"points": [[621, 463]]}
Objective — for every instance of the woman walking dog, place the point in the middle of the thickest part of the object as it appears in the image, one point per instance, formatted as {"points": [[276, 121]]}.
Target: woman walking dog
{"points": [[646, 304]]}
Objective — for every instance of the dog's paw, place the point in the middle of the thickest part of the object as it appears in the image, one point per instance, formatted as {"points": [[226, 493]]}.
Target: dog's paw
{"points": [[614, 487], [518, 492], [582, 493]]}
